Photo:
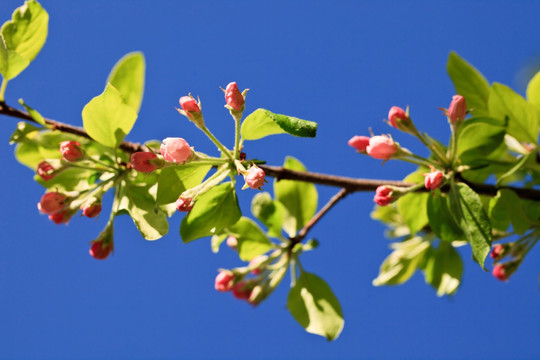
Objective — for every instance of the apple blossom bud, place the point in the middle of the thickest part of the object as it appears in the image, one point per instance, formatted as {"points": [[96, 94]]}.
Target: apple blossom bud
{"points": [[91, 208], [61, 217], [45, 170], [71, 150], [184, 204], [360, 143], [234, 98], [100, 250], [497, 251], [383, 196], [192, 109], [255, 177], [224, 281], [140, 161], [255, 262], [396, 116], [381, 147], [232, 242], [52, 203], [242, 290], [499, 271], [433, 180], [457, 110], [176, 150]]}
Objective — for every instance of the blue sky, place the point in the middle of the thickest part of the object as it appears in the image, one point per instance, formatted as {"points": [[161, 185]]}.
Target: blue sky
{"points": [[341, 64]]}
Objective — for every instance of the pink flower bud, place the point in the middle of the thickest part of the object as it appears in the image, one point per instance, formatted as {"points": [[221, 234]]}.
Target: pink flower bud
{"points": [[140, 161], [381, 147], [190, 106], [52, 203], [100, 251], [71, 150], [224, 281], [256, 262], [45, 170], [433, 180], [242, 290], [457, 109], [232, 242], [91, 209], [497, 251], [234, 98], [176, 150], [60, 217], [184, 204], [397, 115], [255, 177], [382, 196], [360, 143], [499, 271]]}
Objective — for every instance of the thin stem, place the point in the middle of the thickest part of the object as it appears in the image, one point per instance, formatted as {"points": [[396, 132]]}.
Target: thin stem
{"points": [[430, 146], [3, 89], [220, 146], [237, 121]]}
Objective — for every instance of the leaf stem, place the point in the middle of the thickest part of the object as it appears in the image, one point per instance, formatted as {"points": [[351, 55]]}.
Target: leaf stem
{"points": [[220, 146], [3, 89]]}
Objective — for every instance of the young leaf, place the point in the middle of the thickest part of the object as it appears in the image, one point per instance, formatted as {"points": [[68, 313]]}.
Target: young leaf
{"points": [[480, 137], [472, 218], [33, 113], [261, 123], [506, 208], [251, 239], [269, 212], [68, 180], [313, 304], [174, 180], [523, 119], [441, 220], [213, 211], [413, 209], [533, 90], [443, 269], [107, 118], [23, 130], [139, 204], [26, 32], [11, 63], [127, 77], [299, 198], [469, 83], [401, 264]]}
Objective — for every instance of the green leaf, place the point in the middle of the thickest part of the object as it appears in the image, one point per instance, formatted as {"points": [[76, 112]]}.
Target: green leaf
{"points": [[27, 31], [11, 62], [441, 220], [413, 209], [261, 123], [107, 118], [174, 180], [523, 121], [299, 198], [313, 304], [269, 212], [33, 113], [22, 131], [444, 269], [252, 241], [402, 263], [213, 211], [67, 180], [469, 83], [127, 77], [473, 220], [506, 208], [479, 137], [533, 90], [140, 205]]}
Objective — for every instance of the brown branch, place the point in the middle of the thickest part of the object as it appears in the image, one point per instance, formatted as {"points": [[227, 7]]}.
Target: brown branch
{"points": [[333, 201], [7, 110], [280, 173]]}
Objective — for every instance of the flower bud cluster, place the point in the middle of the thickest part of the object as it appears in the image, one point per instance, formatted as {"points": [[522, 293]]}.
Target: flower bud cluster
{"points": [[515, 251]]}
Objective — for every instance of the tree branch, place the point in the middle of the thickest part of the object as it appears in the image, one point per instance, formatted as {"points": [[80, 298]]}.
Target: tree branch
{"points": [[280, 173]]}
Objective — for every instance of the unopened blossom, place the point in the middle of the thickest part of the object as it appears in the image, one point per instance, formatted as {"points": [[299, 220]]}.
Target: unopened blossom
{"points": [[45, 170], [91, 209], [184, 204], [101, 250], [396, 115], [360, 143], [52, 203], [234, 98], [61, 217], [382, 195], [381, 147], [141, 161], [497, 251], [457, 110], [224, 281], [499, 271], [433, 180], [176, 150], [71, 150], [255, 177], [232, 242], [190, 106], [241, 290]]}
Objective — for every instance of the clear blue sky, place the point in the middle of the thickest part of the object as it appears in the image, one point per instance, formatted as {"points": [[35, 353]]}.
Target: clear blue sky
{"points": [[341, 64]]}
